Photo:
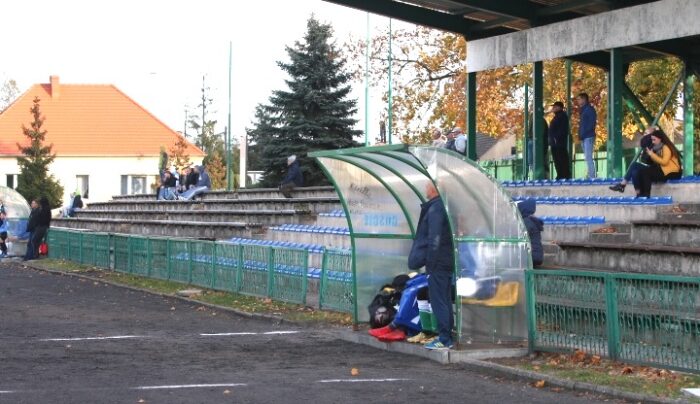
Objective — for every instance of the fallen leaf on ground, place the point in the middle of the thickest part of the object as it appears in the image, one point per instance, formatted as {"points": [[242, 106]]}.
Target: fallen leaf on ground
{"points": [[354, 372], [172, 308], [627, 370], [227, 391], [595, 360], [539, 384]]}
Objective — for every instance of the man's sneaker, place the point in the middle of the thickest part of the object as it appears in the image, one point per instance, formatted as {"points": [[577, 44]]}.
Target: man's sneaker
{"points": [[376, 332], [438, 345], [418, 338]]}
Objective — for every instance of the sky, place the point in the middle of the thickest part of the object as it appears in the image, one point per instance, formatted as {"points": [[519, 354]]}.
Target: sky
{"points": [[158, 51]]}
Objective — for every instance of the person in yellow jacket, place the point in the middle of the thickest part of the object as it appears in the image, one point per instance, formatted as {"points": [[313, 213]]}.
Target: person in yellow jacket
{"points": [[667, 164]]}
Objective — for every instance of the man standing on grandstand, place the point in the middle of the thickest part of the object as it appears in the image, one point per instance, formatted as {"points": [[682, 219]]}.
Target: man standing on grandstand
{"points": [[558, 141], [294, 177], [586, 131], [433, 248]]}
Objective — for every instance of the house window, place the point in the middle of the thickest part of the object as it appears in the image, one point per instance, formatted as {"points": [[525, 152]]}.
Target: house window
{"points": [[82, 184], [138, 185], [11, 180], [133, 185]]}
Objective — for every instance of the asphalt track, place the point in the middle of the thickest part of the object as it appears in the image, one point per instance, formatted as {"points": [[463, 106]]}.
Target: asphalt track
{"points": [[68, 340]]}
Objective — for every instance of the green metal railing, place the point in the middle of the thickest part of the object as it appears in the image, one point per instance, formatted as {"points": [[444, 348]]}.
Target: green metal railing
{"points": [[637, 318], [263, 271]]}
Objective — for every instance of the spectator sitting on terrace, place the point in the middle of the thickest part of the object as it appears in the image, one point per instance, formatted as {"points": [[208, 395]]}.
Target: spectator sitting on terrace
{"points": [[167, 190], [201, 186], [438, 139], [667, 167], [643, 160], [182, 185], [76, 202], [3, 235], [534, 226], [294, 177], [192, 178]]}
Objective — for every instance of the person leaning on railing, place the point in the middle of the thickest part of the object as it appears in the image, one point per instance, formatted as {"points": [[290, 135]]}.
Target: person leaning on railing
{"points": [[667, 167]]}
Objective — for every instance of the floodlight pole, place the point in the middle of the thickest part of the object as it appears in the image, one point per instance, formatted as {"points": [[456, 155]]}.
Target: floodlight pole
{"points": [[229, 171], [367, 84], [390, 99]]}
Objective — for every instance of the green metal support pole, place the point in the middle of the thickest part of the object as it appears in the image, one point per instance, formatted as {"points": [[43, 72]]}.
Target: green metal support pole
{"points": [[614, 146], [526, 134], [570, 146], [688, 122], [227, 135], [664, 105], [538, 121], [471, 116], [391, 108], [631, 97], [367, 84]]}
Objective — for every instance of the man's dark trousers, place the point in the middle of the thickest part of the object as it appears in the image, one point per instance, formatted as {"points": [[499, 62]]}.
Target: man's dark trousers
{"points": [[561, 162], [440, 293]]}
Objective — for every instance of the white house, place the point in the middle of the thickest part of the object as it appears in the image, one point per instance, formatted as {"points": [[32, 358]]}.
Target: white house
{"points": [[105, 143]]}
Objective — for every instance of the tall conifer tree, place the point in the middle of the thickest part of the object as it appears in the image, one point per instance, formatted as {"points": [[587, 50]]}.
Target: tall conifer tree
{"points": [[34, 180], [313, 114]]}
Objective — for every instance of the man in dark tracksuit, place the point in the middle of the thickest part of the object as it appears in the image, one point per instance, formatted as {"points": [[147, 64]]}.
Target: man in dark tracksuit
{"points": [[32, 223], [433, 249], [294, 177], [558, 141]]}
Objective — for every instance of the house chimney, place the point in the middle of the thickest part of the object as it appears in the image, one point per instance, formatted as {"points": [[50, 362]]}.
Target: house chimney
{"points": [[55, 87]]}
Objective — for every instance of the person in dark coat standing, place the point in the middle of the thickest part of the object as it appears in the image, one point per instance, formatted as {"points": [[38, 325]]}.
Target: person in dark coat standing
{"points": [[433, 248], [294, 177], [31, 229], [534, 226], [558, 141]]}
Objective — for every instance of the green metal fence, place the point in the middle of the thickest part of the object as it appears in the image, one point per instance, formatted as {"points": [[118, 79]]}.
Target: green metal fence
{"points": [[337, 282], [263, 271], [638, 318]]}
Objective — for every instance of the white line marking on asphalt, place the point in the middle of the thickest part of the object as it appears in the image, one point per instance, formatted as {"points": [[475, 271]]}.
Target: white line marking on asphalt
{"points": [[95, 338], [227, 334], [360, 380], [188, 386], [7, 391]]}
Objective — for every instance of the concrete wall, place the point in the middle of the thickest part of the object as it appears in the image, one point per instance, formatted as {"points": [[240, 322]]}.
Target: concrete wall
{"points": [[655, 21], [104, 173]]}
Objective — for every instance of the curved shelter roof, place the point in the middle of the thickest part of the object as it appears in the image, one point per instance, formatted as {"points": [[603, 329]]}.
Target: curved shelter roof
{"points": [[381, 190]]}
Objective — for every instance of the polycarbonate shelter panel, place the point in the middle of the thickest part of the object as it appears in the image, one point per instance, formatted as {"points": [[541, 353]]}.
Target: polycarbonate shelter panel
{"points": [[378, 261], [409, 172], [492, 246], [407, 197], [475, 202], [372, 208], [16, 207]]}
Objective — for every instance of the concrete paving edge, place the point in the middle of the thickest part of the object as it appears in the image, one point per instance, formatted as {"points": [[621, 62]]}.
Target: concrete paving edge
{"points": [[443, 357]]}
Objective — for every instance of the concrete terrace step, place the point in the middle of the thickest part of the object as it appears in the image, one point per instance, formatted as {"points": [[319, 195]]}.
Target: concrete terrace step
{"points": [[677, 232], [679, 192], [303, 192], [612, 213], [632, 257], [313, 205], [267, 217], [169, 228]]}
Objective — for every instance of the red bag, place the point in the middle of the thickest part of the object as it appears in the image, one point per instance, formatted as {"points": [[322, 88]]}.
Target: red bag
{"points": [[43, 249]]}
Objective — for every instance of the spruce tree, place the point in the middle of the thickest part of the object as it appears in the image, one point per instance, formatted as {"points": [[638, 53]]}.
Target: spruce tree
{"points": [[34, 180], [313, 114]]}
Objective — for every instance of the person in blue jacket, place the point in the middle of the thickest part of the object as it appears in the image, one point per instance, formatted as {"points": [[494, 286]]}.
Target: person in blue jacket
{"points": [[433, 248], [586, 131], [3, 234], [534, 226], [294, 177]]}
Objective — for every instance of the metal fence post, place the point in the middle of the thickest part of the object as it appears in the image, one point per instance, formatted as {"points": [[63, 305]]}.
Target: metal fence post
{"points": [[530, 297], [168, 266], [149, 257], [213, 264], [270, 269], [612, 316], [189, 262], [239, 267]]}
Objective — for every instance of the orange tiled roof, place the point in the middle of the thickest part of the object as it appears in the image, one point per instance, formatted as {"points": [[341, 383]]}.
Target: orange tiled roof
{"points": [[87, 120]]}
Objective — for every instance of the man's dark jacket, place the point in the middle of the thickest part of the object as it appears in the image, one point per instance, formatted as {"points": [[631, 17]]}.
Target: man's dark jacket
{"points": [[432, 246], [559, 130], [33, 220], [294, 175]]}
